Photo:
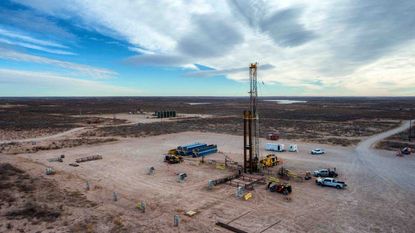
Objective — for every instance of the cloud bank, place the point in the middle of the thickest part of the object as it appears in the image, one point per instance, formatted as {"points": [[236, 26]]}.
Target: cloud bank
{"points": [[89, 71], [317, 45], [58, 85]]}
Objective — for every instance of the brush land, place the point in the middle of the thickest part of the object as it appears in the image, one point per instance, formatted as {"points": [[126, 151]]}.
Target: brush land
{"points": [[34, 130]]}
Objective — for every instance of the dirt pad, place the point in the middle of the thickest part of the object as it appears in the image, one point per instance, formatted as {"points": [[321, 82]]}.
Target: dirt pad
{"points": [[375, 200]]}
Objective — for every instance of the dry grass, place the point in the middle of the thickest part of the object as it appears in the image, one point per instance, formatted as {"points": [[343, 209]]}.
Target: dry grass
{"points": [[328, 132], [34, 204], [28, 147], [398, 141]]}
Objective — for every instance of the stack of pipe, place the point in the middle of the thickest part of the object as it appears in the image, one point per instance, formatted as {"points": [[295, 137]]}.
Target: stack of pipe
{"points": [[205, 150], [188, 149], [197, 149]]}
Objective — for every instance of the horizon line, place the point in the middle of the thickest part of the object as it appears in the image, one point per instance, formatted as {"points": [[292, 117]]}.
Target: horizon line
{"points": [[194, 96]]}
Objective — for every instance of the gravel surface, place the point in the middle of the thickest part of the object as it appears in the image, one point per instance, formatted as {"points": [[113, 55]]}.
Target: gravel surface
{"points": [[378, 197]]}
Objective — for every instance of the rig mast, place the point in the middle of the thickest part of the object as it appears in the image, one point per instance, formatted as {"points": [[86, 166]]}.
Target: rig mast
{"points": [[251, 125]]}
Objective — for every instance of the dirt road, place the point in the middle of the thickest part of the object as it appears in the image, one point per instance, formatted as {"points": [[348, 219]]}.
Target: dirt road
{"points": [[388, 168], [367, 144], [65, 133]]}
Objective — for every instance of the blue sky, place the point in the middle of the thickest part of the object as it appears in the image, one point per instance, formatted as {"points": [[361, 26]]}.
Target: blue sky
{"points": [[203, 48]]}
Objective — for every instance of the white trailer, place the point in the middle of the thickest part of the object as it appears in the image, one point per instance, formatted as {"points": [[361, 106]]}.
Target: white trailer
{"points": [[274, 147], [293, 148]]}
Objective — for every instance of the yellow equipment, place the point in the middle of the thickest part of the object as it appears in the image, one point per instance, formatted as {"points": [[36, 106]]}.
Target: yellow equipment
{"points": [[270, 160], [220, 166], [247, 196], [273, 179], [287, 174], [172, 152], [172, 159]]}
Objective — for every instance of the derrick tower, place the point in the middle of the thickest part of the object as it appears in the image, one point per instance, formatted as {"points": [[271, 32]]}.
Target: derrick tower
{"points": [[251, 125]]}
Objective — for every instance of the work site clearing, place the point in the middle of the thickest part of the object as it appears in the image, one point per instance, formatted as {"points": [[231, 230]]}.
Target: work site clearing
{"points": [[114, 191]]}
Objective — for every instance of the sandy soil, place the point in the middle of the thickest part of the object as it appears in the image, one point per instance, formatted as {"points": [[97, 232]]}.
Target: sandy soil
{"points": [[378, 199], [34, 204], [12, 135], [42, 138], [146, 117]]}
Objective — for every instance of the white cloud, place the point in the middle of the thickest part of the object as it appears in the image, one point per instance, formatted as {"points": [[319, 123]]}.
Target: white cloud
{"points": [[29, 21], [89, 71], [23, 83], [140, 50], [36, 47], [155, 25], [23, 40], [23, 37], [393, 75], [314, 44]]}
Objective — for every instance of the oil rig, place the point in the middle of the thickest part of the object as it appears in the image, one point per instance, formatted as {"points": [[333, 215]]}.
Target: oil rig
{"points": [[251, 125]]}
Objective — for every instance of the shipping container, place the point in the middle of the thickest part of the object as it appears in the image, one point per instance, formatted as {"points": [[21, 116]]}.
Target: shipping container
{"points": [[274, 147]]}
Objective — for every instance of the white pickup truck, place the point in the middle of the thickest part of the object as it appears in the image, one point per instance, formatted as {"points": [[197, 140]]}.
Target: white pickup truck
{"points": [[331, 182], [317, 151]]}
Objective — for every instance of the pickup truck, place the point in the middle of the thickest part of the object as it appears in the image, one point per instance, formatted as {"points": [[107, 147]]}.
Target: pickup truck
{"points": [[325, 173], [330, 182], [317, 151]]}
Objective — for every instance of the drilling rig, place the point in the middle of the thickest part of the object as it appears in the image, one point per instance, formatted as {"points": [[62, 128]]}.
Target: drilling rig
{"points": [[251, 125]]}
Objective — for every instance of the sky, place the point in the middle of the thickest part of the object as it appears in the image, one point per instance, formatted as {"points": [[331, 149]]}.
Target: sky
{"points": [[204, 48]]}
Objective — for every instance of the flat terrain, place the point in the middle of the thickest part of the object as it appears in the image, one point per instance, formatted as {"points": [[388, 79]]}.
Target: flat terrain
{"points": [[338, 121], [378, 197]]}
